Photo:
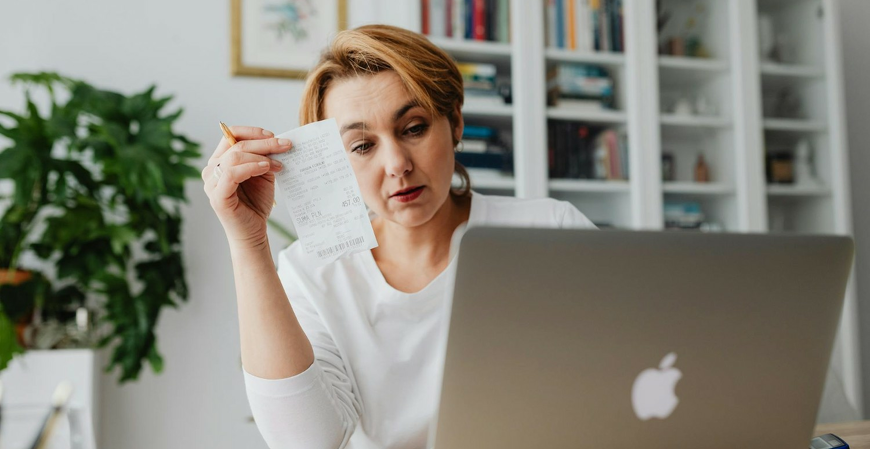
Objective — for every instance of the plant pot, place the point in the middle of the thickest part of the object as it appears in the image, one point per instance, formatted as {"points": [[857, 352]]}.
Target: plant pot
{"points": [[15, 278]]}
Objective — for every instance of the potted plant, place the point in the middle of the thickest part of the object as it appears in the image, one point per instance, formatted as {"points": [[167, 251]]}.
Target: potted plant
{"points": [[97, 181]]}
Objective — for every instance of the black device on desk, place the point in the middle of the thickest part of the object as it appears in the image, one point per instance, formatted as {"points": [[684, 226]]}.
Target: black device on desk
{"points": [[828, 441]]}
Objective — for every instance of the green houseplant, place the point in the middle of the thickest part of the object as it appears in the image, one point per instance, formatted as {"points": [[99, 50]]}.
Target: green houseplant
{"points": [[96, 186]]}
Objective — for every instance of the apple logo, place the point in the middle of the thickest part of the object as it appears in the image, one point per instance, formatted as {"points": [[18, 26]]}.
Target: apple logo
{"points": [[653, 393]]}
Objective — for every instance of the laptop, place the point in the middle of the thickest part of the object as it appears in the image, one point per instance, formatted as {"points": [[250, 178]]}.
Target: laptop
{"points": [[589, 339]]}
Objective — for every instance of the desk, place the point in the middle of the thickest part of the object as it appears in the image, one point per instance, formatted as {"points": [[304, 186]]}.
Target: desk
{"points": [[857, 433]]}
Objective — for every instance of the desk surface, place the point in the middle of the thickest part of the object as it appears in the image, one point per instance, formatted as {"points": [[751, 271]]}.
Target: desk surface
{"points": [[857, 433]]}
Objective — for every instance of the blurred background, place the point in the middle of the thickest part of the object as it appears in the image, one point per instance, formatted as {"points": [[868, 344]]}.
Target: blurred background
{"points": [[691, 115]]}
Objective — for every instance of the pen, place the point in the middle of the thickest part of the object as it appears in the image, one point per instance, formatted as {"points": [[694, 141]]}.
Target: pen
{"points": [[232, 140]]}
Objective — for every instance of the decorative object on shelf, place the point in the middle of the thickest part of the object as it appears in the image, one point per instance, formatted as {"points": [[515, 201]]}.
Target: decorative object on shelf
{"points": [[702, 170], [680, 26], [580, 86], [282, 39], [784, 102], [683, 215], [805, 164], [688, 216], [97, 186], [683, 107], [704, 106], [766, 38], [780, 167], [668, 167]]}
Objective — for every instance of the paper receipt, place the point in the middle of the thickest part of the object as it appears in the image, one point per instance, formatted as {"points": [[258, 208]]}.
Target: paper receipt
{"points": [[324, 199]]}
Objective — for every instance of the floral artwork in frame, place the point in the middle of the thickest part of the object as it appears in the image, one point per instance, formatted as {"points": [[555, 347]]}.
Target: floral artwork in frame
{"points": [[282, 38]]}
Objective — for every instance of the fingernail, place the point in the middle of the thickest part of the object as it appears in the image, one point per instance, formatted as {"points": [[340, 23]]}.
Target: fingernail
{"points": [[263, 163], [268, 133], [284, 142], [277, 164]]}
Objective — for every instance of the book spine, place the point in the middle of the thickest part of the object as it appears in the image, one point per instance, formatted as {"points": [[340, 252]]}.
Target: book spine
{"points": [[479, 20], [448, 17], [604, 17], [581, 24], [469, 19], [621, 28], [595, 6], [570, 14], [503, 21], [437, 18], [551, 23], [560, 23], [614, 29], [551, 151], [458, 19], [489, 20], [424, 16]]}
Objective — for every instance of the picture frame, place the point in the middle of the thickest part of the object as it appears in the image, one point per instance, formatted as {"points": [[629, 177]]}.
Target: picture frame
{"points": [[282, 38]]}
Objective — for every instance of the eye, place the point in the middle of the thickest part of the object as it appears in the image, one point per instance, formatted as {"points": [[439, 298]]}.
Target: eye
{"points": [[417, 130], [361, 148]]}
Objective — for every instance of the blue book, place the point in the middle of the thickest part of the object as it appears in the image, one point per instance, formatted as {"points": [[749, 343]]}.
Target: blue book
{"points": [[560, 23], [469, 19]]}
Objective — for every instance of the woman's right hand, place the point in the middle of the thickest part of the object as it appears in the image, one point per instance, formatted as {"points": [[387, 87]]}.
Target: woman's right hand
{"points": [[243, 195]]}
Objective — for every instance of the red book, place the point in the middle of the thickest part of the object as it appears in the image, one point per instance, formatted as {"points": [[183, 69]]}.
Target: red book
{"points": [[424, 16], [479, 20]]}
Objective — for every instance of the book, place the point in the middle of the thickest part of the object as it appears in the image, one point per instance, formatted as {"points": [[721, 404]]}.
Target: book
{"points": [[504, 21], [424, 16], [479, 18], [437, 18]]}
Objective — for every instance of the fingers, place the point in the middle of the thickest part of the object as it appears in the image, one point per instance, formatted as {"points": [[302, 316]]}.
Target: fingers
{"points": [[235, 175], [241, 133], [234, 158]]}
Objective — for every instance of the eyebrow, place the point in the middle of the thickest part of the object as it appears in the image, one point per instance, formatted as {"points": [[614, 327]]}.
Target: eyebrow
{"points": [[396, 116]]}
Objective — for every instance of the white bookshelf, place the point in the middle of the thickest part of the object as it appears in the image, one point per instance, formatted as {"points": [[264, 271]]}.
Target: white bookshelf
{"points": [[734, 139]]}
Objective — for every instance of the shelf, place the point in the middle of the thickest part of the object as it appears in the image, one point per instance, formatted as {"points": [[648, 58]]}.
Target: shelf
{"points": [[796, 125], [491, 179], [611, 60], [797, 190], [695, 64], [586, 115], [694, 188], [475, 107], [477, 51], [589, 186], [791, 70], [695, 121]]}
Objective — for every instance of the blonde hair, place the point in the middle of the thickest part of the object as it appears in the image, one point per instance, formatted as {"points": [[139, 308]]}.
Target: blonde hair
{"points": [[426, 71]]}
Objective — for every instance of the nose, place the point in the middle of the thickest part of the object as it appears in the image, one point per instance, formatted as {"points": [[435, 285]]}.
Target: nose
{"points": [[397, 159]]}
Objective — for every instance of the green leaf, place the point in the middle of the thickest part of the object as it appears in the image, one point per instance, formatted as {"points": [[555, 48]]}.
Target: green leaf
{"points": [[9, 346]]}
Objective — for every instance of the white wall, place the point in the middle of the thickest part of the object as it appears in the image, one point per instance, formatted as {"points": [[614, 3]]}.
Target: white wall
{"points": [[856, 66], [183, 47]]}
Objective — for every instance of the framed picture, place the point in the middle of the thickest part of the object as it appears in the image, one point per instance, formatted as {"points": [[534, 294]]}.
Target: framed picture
{"points": [[282, 38]]}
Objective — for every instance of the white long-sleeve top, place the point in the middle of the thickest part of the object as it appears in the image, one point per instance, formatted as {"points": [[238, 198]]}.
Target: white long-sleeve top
{"points": [[378, 352]]}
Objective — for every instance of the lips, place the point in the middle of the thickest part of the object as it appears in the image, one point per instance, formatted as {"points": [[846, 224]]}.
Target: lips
{"points": [[407, 191]]}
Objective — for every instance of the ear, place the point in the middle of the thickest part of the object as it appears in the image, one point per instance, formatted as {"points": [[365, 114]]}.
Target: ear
{"points": [[459, 124]]}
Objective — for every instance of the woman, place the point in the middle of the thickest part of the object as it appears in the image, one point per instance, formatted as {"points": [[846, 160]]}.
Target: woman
{"points": [[347, 354]]}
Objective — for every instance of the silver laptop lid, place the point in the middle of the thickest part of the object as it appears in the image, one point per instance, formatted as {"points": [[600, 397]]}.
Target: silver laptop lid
{"points": [[575, 339]]}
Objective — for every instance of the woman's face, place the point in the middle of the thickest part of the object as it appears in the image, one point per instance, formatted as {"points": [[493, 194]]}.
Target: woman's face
{"points": [[394, 147]]}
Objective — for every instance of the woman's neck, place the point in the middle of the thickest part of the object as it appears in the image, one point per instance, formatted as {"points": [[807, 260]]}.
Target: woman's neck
{"points": [[427, 245]]}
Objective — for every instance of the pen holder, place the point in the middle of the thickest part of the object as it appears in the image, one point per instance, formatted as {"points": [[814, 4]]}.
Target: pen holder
{"points": [[19, 424]]}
